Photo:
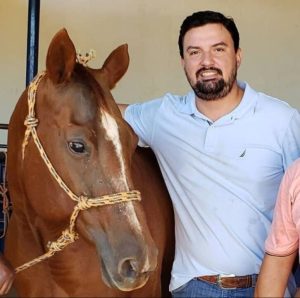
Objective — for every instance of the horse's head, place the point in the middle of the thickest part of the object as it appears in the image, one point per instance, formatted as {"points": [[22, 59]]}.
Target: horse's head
{"points": [[90, 147]]}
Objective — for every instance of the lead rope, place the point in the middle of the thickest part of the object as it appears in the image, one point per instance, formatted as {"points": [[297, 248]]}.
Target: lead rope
{"points": [[5, 199], [68, 235]]}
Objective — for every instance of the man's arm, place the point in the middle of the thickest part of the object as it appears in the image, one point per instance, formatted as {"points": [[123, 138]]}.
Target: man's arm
{"points": [[7, 276], [122, 108], [273, 277]]}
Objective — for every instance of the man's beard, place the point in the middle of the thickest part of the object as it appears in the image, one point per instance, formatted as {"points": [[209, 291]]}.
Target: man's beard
{"points": [[215, 89]]}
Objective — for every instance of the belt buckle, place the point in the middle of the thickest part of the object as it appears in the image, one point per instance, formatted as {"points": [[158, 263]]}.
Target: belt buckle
{"points": [[219, 281]]}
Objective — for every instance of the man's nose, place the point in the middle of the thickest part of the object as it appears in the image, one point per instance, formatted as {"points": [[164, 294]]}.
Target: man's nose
{"points": [[207, 59]]}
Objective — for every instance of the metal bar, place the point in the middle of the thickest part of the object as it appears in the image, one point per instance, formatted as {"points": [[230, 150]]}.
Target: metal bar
{"points": [[3, 126], [32, 39], [32, 46]]}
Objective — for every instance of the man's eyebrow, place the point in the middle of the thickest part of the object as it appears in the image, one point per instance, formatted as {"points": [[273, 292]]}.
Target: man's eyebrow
{"points": [[221, 43], [192, 48]]}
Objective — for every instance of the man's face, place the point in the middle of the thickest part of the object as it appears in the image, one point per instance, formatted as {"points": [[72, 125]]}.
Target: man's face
{"points": [[210, 61]]}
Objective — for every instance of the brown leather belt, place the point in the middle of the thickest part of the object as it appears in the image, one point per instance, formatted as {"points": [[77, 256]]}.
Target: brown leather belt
{"points": [[230, 282]]}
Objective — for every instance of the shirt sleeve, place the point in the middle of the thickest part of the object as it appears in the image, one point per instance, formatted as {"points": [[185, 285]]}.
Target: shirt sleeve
{"points": [[141, 117], [283, 237], [291, 141]]}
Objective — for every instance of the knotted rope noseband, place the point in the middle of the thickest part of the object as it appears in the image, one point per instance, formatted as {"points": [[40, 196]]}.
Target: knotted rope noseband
{"points": [[68, 235]]}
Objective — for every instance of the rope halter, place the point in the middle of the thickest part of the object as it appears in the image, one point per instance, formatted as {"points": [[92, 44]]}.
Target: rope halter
{"points": [[69, 235]]}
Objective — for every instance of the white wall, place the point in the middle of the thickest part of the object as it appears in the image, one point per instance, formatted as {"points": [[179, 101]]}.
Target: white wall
{"points": [[269, 31]]}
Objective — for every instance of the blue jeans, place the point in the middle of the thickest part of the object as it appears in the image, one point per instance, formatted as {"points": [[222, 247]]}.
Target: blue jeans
{"points": [[198, 288]]}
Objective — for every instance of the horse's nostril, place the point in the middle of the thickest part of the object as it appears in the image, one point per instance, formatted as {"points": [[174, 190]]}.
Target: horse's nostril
{"points": [[128, 268]]}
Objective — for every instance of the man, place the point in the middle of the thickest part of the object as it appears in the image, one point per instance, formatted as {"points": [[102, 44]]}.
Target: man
{"points": [[6, 276], [222, 149], [282, 244]]}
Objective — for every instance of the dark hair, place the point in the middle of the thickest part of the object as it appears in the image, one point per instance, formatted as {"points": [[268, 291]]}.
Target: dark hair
{"points": [[202, 18]]}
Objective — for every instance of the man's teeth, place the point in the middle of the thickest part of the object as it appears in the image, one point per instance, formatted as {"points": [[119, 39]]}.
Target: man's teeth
{"points": [[208, 73]]}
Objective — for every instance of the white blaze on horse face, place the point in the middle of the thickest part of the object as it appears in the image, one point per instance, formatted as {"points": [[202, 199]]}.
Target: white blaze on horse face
{"points": [[112, 134]]}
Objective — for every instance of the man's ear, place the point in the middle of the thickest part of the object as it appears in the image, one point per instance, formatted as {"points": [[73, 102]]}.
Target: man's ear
{"points": [[238, 56]]}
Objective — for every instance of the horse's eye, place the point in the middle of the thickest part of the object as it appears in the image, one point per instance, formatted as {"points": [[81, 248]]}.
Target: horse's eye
{"points": [[77, 147]]}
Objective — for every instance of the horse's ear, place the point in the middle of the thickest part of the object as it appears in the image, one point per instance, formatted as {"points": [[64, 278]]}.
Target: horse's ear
{"points": [[116, 65], [61, 57]]}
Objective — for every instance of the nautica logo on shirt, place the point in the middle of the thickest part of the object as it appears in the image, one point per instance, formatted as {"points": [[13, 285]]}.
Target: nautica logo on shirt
{"points": [[243, 154]]}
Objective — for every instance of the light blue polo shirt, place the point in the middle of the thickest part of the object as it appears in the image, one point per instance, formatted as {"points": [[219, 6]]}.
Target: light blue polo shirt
{"points": [[222, 176]]}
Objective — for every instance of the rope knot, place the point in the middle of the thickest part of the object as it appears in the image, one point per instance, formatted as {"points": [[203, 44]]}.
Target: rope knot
{"points": [[66, 238], [31, 121], [83, 203], [84, 59]]}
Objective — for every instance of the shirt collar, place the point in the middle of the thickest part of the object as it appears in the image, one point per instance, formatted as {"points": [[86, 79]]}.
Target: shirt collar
{"points": [[247, 105]]}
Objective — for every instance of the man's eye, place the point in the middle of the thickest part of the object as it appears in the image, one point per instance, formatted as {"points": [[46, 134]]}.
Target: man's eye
{"points": [[219, 50], [193, 53]]}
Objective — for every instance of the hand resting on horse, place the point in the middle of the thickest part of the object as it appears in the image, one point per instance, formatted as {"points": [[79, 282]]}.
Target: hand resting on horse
{"points": [[7, 276]]}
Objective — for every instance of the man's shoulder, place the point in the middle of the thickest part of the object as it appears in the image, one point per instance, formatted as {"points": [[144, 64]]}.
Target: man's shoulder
{"points": [[266, 100], [275, 105], [275, 110], [166, 101], [179, 103]]}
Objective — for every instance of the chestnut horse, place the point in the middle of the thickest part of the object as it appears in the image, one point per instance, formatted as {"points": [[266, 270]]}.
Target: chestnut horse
{"points": [[75, 174]]}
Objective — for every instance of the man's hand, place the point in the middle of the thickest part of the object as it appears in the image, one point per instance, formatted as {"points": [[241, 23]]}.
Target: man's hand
{"points": [[7, 276]]}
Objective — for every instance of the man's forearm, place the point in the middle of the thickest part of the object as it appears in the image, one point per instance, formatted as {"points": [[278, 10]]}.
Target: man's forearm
{"points": [[273, 276]]}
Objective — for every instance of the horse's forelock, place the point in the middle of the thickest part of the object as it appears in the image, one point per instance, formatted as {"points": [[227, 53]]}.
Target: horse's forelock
{"points": [[83, 76]]}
